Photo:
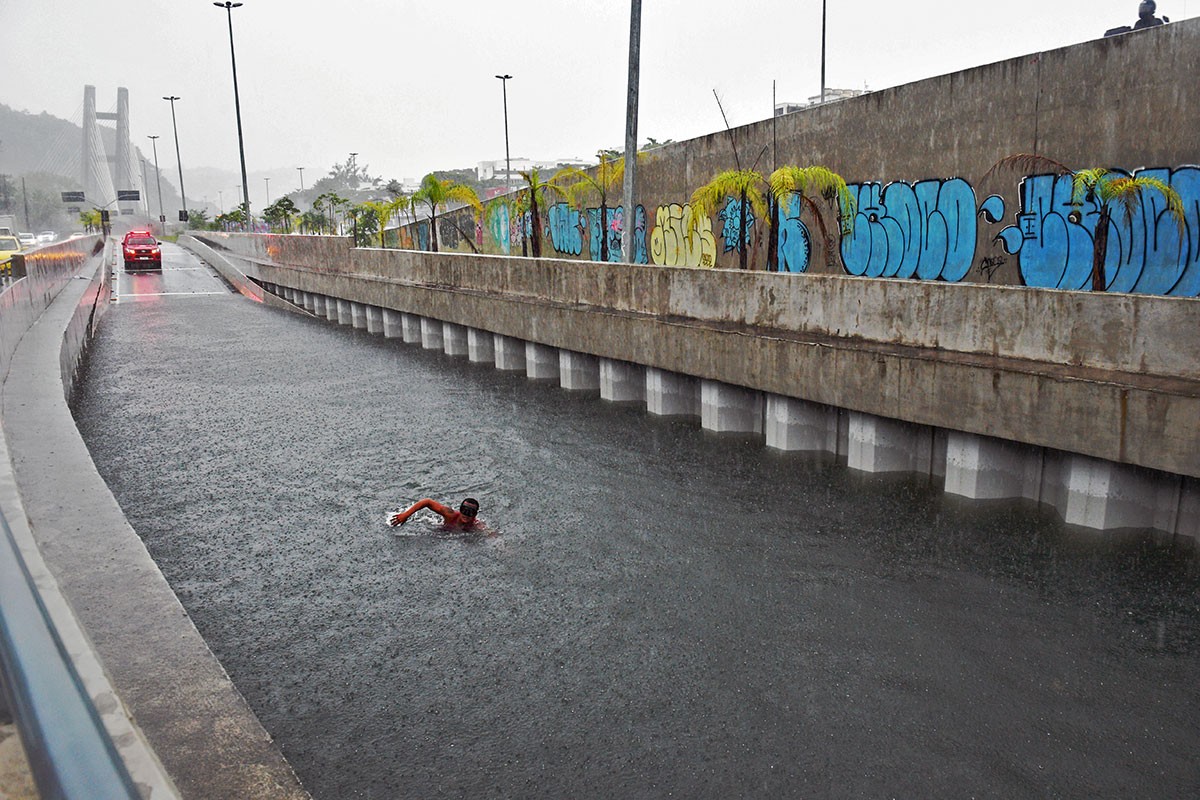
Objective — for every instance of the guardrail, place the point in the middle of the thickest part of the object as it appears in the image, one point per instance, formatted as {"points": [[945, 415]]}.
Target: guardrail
{"points": [[69, 751]]}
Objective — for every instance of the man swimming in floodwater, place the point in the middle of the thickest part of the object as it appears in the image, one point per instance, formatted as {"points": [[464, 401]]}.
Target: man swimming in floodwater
{"points": [[461, 520]]}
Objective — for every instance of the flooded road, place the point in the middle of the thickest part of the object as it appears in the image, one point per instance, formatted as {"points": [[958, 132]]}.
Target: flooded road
{"points": [[665, 612]]}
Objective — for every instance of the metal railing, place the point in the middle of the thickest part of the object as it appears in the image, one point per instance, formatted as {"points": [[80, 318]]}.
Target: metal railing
{"points": [[70, 753]]}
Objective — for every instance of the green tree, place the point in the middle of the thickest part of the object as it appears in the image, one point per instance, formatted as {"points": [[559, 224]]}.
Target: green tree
{"points": [[279, 214], [747, 186], [533, 197], [90, 220], [600, 182], [1104, 189], [384, 210], [436, 195], [330, 202], [802, 184], [312, 221], [198, 219], [234, 218]]}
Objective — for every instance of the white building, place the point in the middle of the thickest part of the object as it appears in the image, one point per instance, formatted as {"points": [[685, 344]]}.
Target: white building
{"points": [[494, 170]]}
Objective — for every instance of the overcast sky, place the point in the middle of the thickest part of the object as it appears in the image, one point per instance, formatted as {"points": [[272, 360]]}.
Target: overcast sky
{"points": [[409, 85]]}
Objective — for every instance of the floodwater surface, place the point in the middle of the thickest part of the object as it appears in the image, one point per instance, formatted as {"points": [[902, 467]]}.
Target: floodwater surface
{"points": [[664, 612]]}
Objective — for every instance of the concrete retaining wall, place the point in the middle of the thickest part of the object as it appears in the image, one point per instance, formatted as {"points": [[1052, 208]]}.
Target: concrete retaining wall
{"points": [[970, 383], [917, 157]]}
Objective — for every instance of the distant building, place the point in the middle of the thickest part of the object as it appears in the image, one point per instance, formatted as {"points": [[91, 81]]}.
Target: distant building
{"points": [[831, 95], [494, 170]]}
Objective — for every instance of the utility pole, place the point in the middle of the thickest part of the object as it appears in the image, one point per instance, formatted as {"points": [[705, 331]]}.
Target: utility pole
{"points": [[157, 177], [631, 116], [174, 127], [25, 197]]}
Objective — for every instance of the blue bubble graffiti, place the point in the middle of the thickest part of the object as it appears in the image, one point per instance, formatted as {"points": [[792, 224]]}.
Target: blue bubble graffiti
{"points": [[732, 215], [641, 253], [925, 230], [1148, 253], [615, 228], [498, 224], [794, 243], [611, 230], [566, 229]]}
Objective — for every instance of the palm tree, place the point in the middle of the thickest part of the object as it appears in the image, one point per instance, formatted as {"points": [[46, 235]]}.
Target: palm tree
{"points": [[535, 195], [599, 182], [805, 183], [1104, 188], [437, 194], [384, 211], [746, 185]]}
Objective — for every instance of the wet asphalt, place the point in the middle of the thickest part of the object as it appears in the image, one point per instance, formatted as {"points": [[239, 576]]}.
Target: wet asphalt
{"points": [[664, 612]]}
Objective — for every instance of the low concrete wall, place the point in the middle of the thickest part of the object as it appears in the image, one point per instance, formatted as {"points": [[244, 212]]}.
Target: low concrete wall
{"points": [[178, 722], [1081, 372]]}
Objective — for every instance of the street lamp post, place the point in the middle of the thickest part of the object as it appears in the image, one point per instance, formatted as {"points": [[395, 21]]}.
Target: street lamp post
{"points": [[174, 127], [237, 104], [268, 182], [504, 79], [145, 194], [158, 179], [301, 179], [824, 3]]}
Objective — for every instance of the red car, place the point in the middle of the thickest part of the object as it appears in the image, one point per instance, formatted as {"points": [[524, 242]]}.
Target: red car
{"points": [[141, 251]]}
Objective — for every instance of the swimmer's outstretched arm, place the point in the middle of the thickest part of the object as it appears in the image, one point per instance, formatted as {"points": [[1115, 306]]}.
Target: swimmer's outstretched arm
{"points": [[433, 505]]}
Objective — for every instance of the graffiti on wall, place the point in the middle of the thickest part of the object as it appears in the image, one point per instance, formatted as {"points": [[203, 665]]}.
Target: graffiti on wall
{"points": [[615, 230], [499, 223], [449, 236], [794, 245], [1148, 252], [423, 235], [675, 243], [925, 230], [612, 232], [731, 215], [566, 229]]}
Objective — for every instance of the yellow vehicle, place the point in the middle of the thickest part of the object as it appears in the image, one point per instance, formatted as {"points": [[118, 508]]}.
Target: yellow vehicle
{"points": [[8, 246]]}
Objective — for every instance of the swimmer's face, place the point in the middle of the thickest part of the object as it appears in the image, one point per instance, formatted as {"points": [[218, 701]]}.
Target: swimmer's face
{"points": [[468, 509]]}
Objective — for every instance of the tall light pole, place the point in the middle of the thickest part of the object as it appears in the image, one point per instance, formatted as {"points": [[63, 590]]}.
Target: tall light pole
{"points": [[268, 182], [824, 3], [301, 179], [157, 178], [237, 104], [504, 79], [631, 116], [145, 194], [174, 127], [351, 168]]}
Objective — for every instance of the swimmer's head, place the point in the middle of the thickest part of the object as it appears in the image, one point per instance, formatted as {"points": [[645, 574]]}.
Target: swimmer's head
{"points": [[469, 508]]}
